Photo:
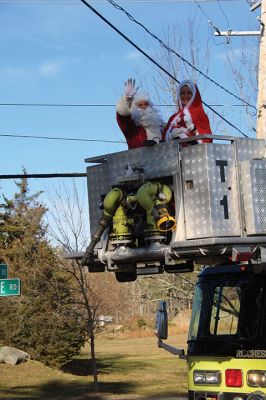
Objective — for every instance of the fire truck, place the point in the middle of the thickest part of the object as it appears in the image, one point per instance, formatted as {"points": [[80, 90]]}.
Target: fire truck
{"points": [[163, 209]]}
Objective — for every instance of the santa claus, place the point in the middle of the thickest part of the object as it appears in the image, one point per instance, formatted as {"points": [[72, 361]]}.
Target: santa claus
{"points": [[138, 119], [190, 119]]}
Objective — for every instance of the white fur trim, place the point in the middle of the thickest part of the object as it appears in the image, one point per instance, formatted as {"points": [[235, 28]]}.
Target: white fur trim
{"points": [[187, 115], [122, 107], [141, 96], [188, 120], [173, 123]]}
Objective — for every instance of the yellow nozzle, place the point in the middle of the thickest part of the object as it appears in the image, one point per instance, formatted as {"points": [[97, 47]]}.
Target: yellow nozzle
{"points": [[166, 223]]}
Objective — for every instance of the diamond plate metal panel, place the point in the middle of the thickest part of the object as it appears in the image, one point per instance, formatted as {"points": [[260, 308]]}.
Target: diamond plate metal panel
{"points": [[210, 191], [249, 149], [97, 182], [207, 198], [253, 177], [157, 161]]}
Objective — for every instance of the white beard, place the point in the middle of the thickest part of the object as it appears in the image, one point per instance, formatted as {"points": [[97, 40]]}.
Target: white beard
{"points": [[150, 119]]}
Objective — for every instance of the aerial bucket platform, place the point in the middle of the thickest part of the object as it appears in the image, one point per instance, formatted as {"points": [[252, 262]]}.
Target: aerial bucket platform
{"points": [[168, 206]]}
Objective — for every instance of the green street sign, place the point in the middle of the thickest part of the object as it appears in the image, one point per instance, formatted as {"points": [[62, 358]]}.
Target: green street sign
{"points": [[3, 271], [10, 287]]}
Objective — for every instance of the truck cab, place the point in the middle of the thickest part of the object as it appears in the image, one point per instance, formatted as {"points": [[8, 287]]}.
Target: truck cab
{"points": [[226, 354], [227, 335]]}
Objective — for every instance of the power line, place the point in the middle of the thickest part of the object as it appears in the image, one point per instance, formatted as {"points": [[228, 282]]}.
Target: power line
{"points": [[153, 61], [225, 16], [103, 1], [60, 138], [206, 15], [115, 5], [45, 176], [211, 23], [55, 105], [99, 105]]}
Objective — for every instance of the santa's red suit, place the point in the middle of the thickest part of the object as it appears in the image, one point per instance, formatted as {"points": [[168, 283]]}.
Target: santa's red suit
{"points": [[138, 125], [135, 135], [190, 120]]}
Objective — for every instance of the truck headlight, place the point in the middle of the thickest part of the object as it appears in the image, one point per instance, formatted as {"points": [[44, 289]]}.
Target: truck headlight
{"points": [[206, 377], [256, 378], [199, 377]]}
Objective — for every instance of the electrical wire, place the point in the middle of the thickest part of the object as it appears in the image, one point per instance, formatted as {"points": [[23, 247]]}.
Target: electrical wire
{"points": [[207, 16], [228, 36], [211, 23], [115, 5], [103, 1], [54, 104], [60, 138], [153, 61], [45, 176], [225, 16], [227, 42], [99, 105]]}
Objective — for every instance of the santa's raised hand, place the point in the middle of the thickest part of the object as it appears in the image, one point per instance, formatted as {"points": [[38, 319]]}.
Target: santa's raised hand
{"points": [[130, 89]]}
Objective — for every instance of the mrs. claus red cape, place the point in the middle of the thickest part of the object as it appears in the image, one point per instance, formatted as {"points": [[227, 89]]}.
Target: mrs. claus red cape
{"points": [[191, 116]]}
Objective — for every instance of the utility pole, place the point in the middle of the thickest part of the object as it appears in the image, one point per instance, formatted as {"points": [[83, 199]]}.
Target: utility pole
{"points": [[261, 99], [261, 103]]}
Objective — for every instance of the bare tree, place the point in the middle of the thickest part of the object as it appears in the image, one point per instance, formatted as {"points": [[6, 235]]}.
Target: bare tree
{"points": [[241, 64], [181, 38], [68, 218], [67, 227], [177, 289]]}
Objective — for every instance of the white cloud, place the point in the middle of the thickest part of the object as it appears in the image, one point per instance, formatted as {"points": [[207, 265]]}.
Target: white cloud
{"points": [[133, 55], [12, 72], [46, 69], [50, 68]]}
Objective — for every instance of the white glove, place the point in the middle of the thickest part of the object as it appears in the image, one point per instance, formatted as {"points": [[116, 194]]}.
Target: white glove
{"points": [[188, 122], [178, 133], [130, 89]]}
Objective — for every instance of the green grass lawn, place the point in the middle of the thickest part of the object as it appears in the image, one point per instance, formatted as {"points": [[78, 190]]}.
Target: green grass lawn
{"points": [[128, 369]]}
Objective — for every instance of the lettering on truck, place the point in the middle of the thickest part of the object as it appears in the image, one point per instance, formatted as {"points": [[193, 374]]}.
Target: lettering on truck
{"points": [[250, 353], [224, 201]]}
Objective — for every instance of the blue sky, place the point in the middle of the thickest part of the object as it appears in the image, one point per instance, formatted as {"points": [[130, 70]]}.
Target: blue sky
{"points": [[59, 52]]}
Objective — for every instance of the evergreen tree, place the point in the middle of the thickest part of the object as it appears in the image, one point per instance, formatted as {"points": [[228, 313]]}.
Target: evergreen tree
{"points": [[41, 320]]}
